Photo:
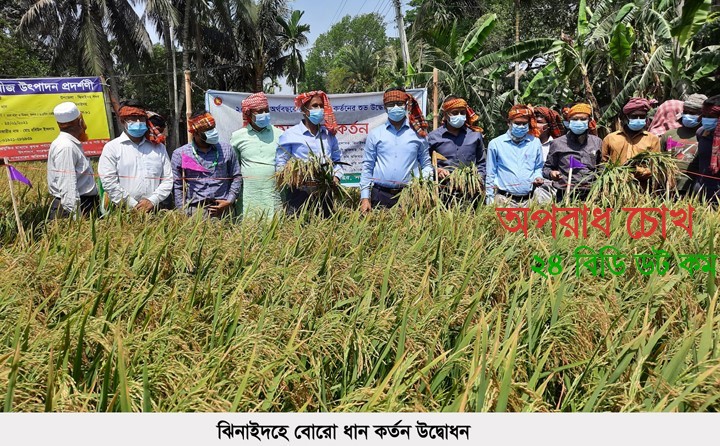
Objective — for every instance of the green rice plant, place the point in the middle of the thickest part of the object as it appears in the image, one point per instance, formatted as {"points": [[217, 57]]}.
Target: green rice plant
{"points": [[662, 167]]}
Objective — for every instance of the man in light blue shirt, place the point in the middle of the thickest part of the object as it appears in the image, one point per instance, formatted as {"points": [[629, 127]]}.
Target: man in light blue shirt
{"points": [[393, 152], [515, 161], [314, 134]]}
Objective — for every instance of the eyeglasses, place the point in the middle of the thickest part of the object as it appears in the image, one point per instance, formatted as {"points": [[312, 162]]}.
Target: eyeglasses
{"points": [[395, 104]]}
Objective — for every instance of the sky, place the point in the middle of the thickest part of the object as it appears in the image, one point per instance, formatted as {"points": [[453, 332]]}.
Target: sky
{"points": [[322, 14]]}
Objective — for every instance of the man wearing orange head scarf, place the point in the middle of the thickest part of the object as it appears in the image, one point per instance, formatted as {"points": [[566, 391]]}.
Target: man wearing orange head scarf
{"points": [[578, 144], [314, 134], [515, 161]]}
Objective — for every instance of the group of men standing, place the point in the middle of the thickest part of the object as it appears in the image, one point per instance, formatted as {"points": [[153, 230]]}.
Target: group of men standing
{"points": [[531, 161]]}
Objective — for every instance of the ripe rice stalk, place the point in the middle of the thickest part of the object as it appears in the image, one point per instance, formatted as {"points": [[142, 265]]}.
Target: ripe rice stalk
{"points": [[466, 181], [663, 168], [614, 186]]}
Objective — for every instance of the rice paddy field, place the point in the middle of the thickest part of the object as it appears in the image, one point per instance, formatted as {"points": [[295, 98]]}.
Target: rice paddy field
{"points": [[415, 309]]}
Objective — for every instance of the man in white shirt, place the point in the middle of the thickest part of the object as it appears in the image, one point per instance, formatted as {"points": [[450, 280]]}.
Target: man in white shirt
{"points": [[69, 174], [135, 171]]}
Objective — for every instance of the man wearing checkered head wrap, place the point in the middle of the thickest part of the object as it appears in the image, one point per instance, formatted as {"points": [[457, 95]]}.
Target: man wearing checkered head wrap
{"points": [[255, 145], [393, 150], [681, 139], [459, 140], [708, 157], [315, 134], [622, 145], [515, 161], [70, 176], [135, 171]]}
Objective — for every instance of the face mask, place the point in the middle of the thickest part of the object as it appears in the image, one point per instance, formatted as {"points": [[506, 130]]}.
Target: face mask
{"points": [[316, 116], [690, 121], [212, 136], [396, 114], [457, 121], [578, 127], [637, 124], [709, 123], [136, 129], [519, 131], [566, 124], [262, 120]]}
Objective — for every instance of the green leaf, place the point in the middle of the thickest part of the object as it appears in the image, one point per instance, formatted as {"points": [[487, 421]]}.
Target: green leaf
{"points": [[519, 52], [621, 41], [694, 16], [476, 38], [582, 27], [623, 12]]}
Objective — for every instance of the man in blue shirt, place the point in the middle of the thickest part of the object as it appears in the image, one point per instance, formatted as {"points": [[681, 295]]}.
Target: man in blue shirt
{"points": [[515, 161], [393, 151], [314, 134]]}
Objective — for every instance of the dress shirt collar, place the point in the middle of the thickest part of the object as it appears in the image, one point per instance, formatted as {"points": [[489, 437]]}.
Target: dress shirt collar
{"points": [[508, 138], [306, 131], [389, 125], [123, 138]]}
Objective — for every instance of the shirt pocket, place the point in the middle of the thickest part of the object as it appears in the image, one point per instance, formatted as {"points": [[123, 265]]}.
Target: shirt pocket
{"points": [[153, 165]]}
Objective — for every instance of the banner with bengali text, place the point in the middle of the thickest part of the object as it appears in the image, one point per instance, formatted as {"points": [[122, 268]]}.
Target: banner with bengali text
{"points": [[27, 124], [357, 114]]}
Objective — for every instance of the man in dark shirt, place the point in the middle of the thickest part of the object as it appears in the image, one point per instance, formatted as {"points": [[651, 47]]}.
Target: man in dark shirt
{"points": [[459, 140], [707, 161], [579, 144]]}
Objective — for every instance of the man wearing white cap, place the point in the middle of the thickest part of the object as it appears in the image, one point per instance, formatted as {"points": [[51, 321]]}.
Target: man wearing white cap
{"points": [[70, 176]]}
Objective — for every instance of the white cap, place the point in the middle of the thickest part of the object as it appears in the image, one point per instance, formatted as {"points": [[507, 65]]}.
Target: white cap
{"points": [[66, 112]]}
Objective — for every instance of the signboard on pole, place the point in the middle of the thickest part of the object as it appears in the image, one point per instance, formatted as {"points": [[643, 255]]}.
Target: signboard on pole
{"points": [[357, 114], [27, 124]]}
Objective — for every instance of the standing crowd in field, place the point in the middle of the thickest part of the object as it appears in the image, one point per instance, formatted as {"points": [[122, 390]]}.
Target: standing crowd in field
{"points": [[531, 162]]}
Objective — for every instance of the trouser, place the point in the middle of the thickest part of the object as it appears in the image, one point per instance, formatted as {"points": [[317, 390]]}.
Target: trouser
{"points": [[88, 204], [508, 200], [544, 194], [384, 197], [297, 199]]}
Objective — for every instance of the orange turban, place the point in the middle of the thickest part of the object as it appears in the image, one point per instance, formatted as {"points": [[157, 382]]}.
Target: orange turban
{"points": [[472, 119], [330, 121], [523, 111]]}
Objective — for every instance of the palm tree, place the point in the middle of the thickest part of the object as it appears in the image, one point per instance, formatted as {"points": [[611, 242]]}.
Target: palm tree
{"points": [[79, 33], [359, 68], [292, 37]]}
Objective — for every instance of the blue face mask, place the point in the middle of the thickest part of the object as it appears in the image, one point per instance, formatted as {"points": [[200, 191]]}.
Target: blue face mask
{"points": [[396, 114], [637, 124], [212, 136], [136, 129], [709, 123], [262, 120], [690, 121], [457, 121], [578, 127], [316, 116], [519, 131]]}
